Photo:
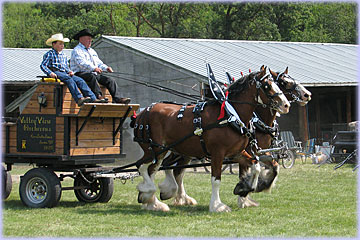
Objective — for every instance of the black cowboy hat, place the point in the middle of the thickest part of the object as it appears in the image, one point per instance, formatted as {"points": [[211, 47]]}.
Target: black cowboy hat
{"points": [[84, 32]]}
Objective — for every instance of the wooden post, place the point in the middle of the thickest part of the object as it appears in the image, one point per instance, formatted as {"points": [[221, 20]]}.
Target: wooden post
{"points": [[303, 123]]}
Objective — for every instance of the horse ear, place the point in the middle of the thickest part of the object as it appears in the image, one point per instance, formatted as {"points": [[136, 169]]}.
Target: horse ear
{"points": [[263, 71], [286, 70], [274, 74]]}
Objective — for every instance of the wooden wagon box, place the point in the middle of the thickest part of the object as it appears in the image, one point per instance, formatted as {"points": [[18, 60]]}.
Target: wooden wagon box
{"points": [[62, 133]]}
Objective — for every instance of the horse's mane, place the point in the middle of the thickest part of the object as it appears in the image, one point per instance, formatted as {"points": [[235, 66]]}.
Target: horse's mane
{"points": [[242, 83]]}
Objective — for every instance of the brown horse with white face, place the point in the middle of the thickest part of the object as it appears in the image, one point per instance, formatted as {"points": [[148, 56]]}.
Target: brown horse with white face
{"points": [[157, 128], [173, 185], [295, 92]]}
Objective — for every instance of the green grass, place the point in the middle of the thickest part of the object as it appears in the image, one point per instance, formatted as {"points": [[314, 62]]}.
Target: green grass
{"points": [[306, 202]]}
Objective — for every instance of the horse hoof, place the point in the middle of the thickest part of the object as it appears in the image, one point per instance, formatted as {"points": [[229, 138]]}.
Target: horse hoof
{"points": [[220, 208], [244, 202], [253, 203], [144, 197], [139, 198], [242, 189], [185, 201], [168, 195], [167, 190], [156, 205]]}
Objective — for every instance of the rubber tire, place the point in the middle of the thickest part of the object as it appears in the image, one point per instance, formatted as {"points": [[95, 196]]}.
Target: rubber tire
{"points": [[48, 180], [290, 160], [102, 187], [7, 183]]}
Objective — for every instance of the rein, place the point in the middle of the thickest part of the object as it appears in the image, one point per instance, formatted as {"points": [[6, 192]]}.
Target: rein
{"points": [[217, 124], [191, 97]]}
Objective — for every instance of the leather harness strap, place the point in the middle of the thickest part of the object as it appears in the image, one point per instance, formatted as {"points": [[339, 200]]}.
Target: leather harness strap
{"points": [[197, 125]]}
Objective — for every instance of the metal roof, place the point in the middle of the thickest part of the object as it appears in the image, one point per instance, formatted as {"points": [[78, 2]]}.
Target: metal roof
{"points": [[23, 64], [313, 64]]}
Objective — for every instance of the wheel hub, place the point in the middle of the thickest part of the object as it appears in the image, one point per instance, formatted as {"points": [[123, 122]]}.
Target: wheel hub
{"points": [[36, 190]]}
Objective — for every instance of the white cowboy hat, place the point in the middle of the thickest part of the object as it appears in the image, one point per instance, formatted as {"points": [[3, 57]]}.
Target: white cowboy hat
{"points": [[56, 37]]}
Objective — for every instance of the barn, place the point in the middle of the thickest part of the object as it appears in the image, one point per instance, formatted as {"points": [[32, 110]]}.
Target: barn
{"points": [[328, 70]]}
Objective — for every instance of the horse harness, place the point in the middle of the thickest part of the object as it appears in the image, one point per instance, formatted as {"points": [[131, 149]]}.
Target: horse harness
{"points": [[263, 127], [142, 132], [231, 119]]}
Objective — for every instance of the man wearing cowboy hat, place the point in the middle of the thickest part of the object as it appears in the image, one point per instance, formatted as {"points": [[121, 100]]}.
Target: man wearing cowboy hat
{"points": [[87, 65], [55, 65]]}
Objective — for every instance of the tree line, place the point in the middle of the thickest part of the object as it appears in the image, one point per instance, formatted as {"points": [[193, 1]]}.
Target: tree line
{"points": [[28, 25]]}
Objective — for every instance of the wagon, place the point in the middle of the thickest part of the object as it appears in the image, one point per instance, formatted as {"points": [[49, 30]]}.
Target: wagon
{"points": [[345, 143], [56, 135]]}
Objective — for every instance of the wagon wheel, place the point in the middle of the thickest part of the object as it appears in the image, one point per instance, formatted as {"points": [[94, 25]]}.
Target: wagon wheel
{"points": [[289, 160], [39, 188], [93, 190], [7, 184]]}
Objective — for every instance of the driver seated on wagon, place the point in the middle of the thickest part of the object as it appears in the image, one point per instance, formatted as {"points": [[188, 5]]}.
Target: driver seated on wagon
{"points": [[55, 65]]}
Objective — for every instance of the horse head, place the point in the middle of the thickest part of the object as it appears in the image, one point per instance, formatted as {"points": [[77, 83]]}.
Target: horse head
{"points": [[270, 94], [294, 91]]}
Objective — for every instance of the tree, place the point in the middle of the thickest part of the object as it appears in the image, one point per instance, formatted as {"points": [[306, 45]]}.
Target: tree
{"points": [[173, 20], [30, 24], [23, 26], [246, 21]]}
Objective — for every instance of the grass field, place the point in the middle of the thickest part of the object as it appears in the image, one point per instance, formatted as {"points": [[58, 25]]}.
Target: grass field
{"points": [[306, 202]]}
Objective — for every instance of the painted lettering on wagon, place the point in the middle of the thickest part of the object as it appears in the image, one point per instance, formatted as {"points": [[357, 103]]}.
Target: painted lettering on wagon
{"points": [[36, 133]]}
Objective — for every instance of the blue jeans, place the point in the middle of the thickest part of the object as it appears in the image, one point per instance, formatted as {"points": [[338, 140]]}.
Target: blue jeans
{"points": [[73, 83]]}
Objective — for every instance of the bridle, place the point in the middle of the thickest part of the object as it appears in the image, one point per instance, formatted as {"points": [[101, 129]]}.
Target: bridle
{"points": [[265, 87], [295, 87]]}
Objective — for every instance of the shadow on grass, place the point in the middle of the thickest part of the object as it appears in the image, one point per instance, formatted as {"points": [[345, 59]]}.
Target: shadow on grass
{"points": [[13, 204], [17, 204], [135, 209], [113, 208]]}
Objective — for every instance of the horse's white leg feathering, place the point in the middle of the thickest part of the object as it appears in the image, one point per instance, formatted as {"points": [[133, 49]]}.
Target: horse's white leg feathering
{"points": [[146, 188], [215, 203]]}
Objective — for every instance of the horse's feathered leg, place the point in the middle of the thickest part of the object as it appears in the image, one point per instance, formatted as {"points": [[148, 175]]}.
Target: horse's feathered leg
{"points": [[153, 203], [182, 198], [215, 202], [244, 202], [146, 188], [169, 187]]}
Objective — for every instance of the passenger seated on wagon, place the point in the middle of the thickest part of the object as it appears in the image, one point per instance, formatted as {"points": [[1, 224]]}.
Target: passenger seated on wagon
{"points": [[87, 65], [55, 65]]}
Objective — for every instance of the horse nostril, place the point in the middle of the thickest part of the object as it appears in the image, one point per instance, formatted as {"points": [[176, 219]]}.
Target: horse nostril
{"points": [[286, 106], [306, 95]]}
